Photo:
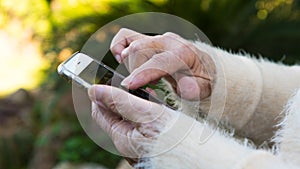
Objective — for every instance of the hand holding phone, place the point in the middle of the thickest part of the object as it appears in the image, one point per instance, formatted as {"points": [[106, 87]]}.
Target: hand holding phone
{"points": [[86, 71]]}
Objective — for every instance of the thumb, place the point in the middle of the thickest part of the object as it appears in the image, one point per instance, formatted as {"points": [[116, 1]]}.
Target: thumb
{"points": [[128, 106], [193, 88], [188, 88]]}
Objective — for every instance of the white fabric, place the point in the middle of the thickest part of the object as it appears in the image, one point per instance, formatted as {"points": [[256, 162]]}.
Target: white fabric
{"points": [[256, 92]]}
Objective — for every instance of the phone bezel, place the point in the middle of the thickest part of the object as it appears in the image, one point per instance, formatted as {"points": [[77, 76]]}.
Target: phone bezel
{"points": [[72, 75]]}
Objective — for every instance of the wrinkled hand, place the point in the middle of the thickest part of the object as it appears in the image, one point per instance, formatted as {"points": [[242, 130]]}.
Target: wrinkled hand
{"points": [[149, 58], [131, 122]]}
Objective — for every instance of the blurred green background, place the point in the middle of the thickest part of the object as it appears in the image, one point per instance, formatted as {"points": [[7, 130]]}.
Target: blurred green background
{"points": [[38, 126]]}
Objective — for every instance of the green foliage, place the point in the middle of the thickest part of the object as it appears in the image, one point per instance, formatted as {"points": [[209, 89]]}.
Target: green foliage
{"points": [[80, 148], [33, 13], [231, 24], [16, 151], [267, 27]]}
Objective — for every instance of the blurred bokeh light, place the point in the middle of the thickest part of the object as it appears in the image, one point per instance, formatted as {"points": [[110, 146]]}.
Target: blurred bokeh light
{"points": [[38, 126]]}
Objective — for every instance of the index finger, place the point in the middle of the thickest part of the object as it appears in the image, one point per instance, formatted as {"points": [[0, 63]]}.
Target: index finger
{"points": [[160, 65], [123, 39]]}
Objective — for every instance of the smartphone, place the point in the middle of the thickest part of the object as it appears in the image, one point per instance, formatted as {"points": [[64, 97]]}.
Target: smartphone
{"points": [[86, 71]]}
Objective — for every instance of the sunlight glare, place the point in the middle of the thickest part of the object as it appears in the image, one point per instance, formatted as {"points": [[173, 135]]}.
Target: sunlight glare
{"points": [[21, 63]]}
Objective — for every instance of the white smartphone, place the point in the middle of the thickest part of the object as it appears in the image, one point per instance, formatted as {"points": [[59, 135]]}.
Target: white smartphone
{"points": [[86, 71]]}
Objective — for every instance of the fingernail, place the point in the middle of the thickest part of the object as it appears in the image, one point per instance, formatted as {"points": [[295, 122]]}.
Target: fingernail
{"points": [[118, 57], [126, 81], [131, 82]]}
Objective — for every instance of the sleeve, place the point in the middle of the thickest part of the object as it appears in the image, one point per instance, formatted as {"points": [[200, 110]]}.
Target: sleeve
{"points": [[248, 93], [219, 150], [287, 138]]}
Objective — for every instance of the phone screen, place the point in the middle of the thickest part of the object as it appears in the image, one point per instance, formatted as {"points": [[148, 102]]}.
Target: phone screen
{"points": [[86, 72], [95, 74]]}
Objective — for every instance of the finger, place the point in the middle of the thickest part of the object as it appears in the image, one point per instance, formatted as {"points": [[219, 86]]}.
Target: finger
{"points": [[158, 66], [136, 59], [151, 91], [128, 106], [188, 88], [121, 40], [109, 121], [122, 132], [145, 47]]}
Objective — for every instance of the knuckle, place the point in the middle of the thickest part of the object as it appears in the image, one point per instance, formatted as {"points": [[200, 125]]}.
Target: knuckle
{"points": [[134, 47], [119, 37], [113, 46], [95, 112], [123, 30], [157, 38], [115, 102], [168, 34], [171, 34], [112, 106]]}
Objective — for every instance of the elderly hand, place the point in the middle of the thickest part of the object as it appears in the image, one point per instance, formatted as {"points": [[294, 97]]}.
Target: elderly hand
{"points": [[149, 58], [132, 123]]}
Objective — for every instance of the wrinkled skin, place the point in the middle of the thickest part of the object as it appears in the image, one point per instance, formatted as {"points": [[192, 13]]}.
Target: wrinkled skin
{"points": [[130, 121], [149, 58]]}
